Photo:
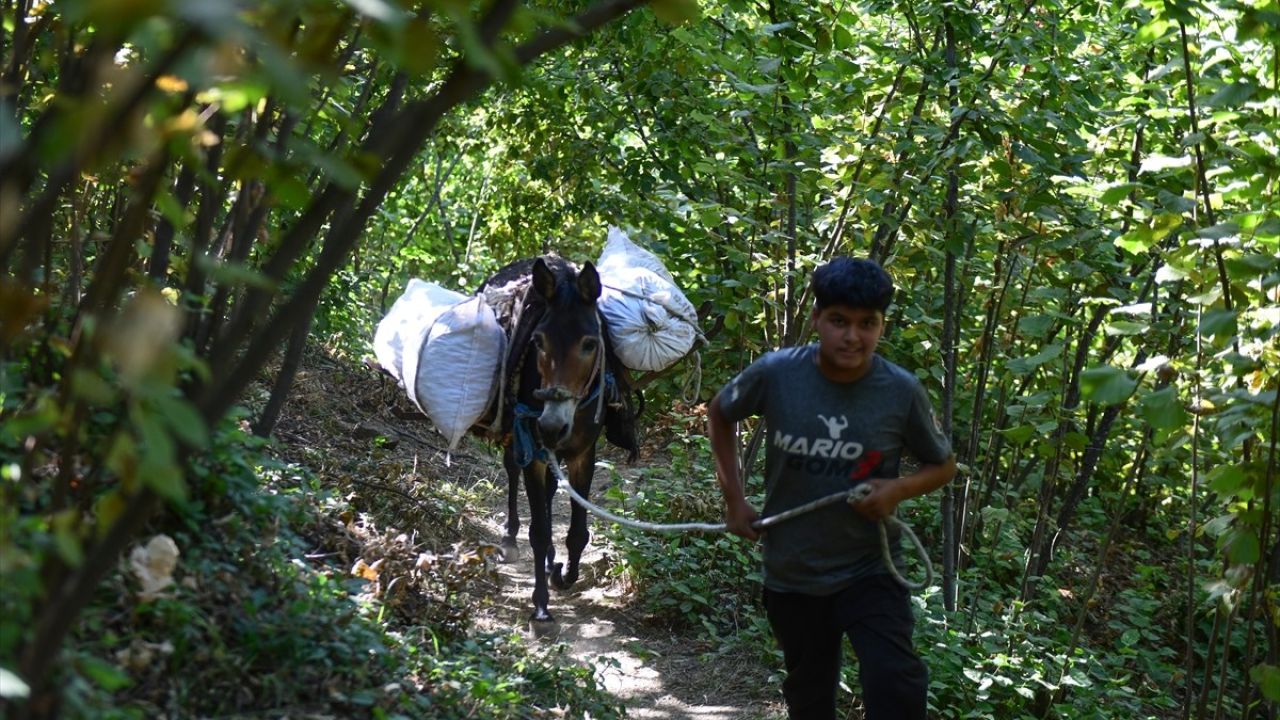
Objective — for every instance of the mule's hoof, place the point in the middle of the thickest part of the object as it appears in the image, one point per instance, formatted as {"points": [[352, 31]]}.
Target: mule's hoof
{"points": [[509, 551], [560, 580], [557, 576], [544, 628]]}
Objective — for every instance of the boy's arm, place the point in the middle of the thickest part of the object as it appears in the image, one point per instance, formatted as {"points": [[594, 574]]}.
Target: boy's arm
{"points": [[724, 446], [886, 494]]}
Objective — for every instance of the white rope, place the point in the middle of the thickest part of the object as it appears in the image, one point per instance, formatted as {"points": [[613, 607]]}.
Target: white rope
{"points": [[850, 496]]}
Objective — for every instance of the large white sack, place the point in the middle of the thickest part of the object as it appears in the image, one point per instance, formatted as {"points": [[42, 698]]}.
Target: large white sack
{"points": [[404, 328], [620, 255], [651, 323], [458, 367]]}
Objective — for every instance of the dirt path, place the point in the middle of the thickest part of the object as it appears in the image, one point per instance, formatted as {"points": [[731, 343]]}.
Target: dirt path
{"points": [[657, 674]]}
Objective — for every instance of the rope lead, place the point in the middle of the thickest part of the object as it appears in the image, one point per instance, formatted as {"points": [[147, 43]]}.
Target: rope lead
{"points": [[849, 496]]}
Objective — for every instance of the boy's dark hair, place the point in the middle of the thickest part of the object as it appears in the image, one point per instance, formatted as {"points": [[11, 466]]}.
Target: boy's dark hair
{"points": [[856, 283]]}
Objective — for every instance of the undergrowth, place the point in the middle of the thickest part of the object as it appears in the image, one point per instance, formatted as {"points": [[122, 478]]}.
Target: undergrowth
{"points": [[995, 657], [289, 601]]}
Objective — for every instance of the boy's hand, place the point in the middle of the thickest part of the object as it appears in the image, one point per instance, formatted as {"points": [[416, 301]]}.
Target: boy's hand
{"points": [[880, 503], [738, 518]]}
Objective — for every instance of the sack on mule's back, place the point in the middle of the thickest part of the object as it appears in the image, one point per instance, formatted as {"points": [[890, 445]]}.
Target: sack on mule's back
{"points": [[458, 366], [399, 336], [651, 323]]}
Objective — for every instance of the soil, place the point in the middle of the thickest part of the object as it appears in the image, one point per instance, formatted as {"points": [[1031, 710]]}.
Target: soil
{"points": [[656, 672]]}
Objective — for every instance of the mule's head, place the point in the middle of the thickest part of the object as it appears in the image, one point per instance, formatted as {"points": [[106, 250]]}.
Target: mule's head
{"points": [[569, 347]]}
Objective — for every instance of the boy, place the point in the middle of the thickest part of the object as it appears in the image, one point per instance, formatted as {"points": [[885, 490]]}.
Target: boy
{"points": [[836, 415]]}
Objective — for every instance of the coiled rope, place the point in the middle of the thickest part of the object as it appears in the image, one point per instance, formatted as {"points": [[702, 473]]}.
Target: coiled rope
{"points": [[849, 496]]}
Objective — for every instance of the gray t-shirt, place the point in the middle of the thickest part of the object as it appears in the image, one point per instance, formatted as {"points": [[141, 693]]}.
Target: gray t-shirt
{"points": [[825, 437]]}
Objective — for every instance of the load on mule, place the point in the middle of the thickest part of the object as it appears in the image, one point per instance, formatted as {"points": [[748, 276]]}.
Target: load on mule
{"points": [[557, 383]]}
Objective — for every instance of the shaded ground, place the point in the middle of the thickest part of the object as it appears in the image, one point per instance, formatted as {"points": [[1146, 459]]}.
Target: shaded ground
{"points": [[656, 672], [342, 421]]}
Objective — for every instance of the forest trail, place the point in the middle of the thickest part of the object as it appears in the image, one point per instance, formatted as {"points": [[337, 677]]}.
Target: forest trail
{"points": [[657, 674], [656, 671]]}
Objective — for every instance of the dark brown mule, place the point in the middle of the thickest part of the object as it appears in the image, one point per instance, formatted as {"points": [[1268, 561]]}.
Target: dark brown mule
{"points": [[563, 387]]}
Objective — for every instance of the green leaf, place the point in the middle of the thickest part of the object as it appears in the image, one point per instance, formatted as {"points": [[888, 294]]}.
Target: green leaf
{"points": [[1267, 678], [1107, 385], [106, 510], [1019, 435], [66, 537], [105, 675], [1163, 410], [1226, 480], [1242, 546], [92, 387], [676, 12], [40, 419], [1233, 95], [292, 192], [1022, 366], [235, 273], [163, 477], [1218, 323], [183, 420], [1116, 193], [1154, 30]]}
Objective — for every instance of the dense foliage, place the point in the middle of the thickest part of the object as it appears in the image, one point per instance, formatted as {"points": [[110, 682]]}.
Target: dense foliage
{"points": [[1078, 201]]}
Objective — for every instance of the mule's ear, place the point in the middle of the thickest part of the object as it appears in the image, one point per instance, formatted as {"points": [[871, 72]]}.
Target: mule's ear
{"points": [[589, 282], [544, 281]]}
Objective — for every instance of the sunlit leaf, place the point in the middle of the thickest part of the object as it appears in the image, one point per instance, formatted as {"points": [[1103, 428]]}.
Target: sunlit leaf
{"points": [[12, 686], [1126, 327], [379, 10], [1160, 163]]}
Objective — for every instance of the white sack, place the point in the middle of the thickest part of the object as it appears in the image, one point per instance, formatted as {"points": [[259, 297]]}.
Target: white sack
{"points": [[651, 323], [457, 367], [620, 255], [404, 328]]}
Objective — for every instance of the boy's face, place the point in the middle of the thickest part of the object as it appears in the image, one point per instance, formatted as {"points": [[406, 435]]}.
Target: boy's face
{"points": [[847, 339]]}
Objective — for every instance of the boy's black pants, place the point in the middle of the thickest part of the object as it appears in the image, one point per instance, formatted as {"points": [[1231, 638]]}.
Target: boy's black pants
{"points": [[875, 614]]}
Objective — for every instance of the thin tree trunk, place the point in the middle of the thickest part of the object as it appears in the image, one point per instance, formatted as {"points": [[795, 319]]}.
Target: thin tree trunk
{"points": [[266, 422]]}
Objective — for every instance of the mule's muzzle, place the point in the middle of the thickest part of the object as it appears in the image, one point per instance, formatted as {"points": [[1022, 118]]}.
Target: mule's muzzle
{"points": [[554, 433], [555, 424]]}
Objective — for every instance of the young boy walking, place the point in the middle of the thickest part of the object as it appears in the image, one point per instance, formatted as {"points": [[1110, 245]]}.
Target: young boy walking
{"points": [[836, 415]]}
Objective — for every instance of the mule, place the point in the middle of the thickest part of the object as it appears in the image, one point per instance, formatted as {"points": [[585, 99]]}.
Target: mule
{"points": [[564, 386]]}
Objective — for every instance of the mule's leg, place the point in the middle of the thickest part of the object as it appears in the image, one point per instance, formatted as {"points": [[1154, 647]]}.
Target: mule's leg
{"points": [[540, 541], [581, 469], [510, 550], [550, 486]]}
